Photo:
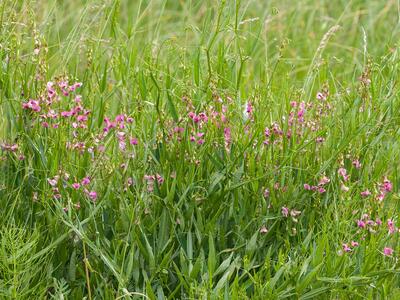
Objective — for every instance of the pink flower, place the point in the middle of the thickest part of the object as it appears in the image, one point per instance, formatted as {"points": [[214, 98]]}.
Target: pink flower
{"points": [[266, 193], [387, 251], [386, 186], [321, 190], [324, 180], [81, 118], [203, 117], [321, 96], [391, 226], [191, 115], [365, 193], [346, 248], [92, 195], [263, 230], [354, 244], [356, 164], [267, 132], [133, 141], [52, 182], [307, 187], [66, 114], [76, 185], [227, 137], [343, 172], [85, 181], [285, 211], [380, 196], [31, 104], [360, 223]]}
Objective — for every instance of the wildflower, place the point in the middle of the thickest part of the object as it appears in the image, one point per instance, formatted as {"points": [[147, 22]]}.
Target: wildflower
{"points": [[346, 248], [380, 196], [307, 187], [81, 118], [387, 251], [227, 137], [361, 223], [343, 172], [66, 114], [76, 185], [365, 193], [92, 195], [85, 181], [52, 181], [160, 179], [354, 244], [321, 190], [324, 180], [391, 226], [356, 163], [32, 104], [266, 193], [321, 96], [386, 186], [263, 230], [247, 112], [133, 141], [285, 211]]}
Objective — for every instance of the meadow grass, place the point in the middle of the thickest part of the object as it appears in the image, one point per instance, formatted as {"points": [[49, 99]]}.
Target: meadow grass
{"points": [[166, 149]]}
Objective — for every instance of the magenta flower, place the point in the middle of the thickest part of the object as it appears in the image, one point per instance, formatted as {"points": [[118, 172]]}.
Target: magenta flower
{"points": [[32, 104], [361, 223], [92, 195], [386, 186], [133, 141], [387, 251], [86, 181], [76, 185], [307, 187]]}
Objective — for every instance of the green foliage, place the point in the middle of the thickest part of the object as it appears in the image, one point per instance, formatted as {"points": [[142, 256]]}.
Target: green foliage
{"points": [[176, 218]]}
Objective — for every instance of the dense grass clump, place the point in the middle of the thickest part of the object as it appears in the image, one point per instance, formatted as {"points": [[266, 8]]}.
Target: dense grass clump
{"points": [[165, 149]]}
